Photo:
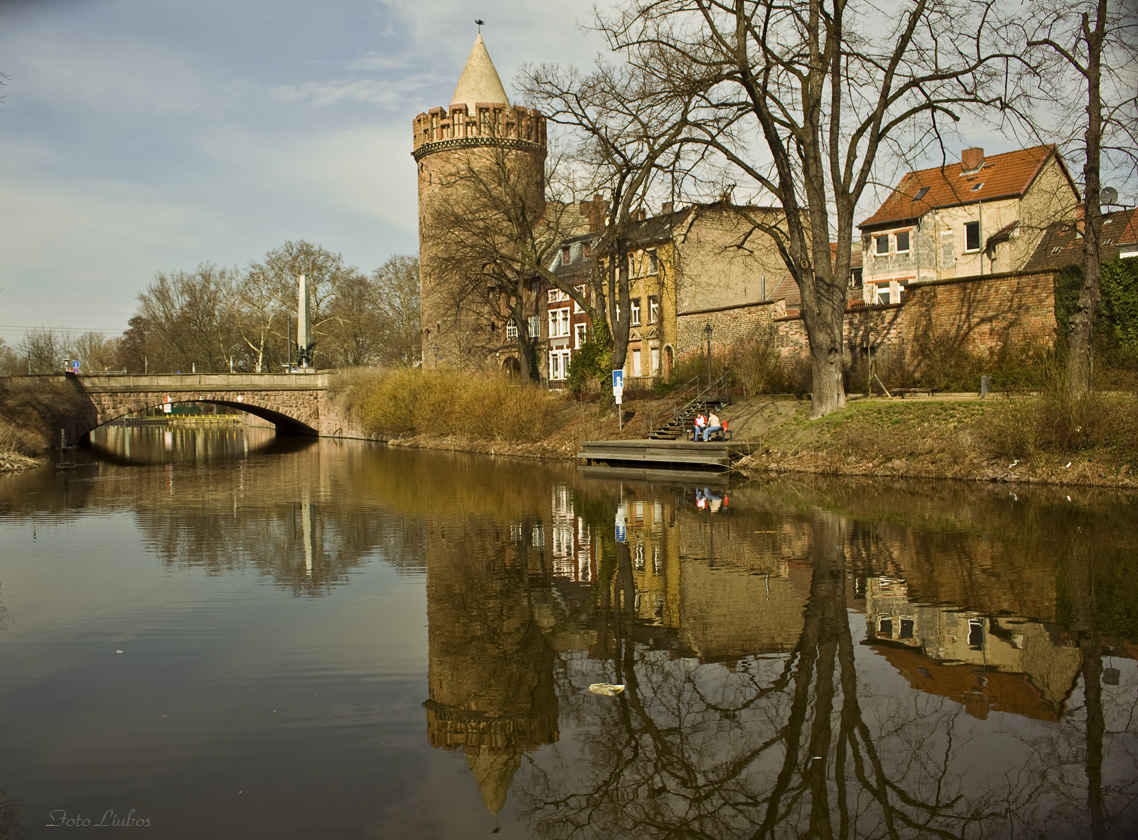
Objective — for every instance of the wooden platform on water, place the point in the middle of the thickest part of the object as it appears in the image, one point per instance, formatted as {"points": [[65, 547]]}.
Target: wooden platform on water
{"points": [[663, 454]]}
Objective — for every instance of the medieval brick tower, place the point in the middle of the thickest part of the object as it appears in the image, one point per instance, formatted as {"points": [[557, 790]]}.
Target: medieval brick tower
{"points": [[480, 141]]}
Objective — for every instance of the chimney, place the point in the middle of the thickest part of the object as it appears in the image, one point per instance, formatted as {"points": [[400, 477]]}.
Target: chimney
{"points": [[595, 212], [971, 159], [667, 208]]}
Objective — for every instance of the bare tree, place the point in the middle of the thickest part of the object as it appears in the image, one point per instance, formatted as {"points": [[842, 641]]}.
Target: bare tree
{"points": [[10, 362], [277, 276], [628, 147], [260, 317], [1084, 60], [44, 351], [397, 288], [189, 317], [95, 351], [801, 99], [502, 237]]}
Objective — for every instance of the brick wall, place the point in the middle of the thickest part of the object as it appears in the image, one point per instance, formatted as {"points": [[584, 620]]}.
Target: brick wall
{"points": [[976, 313], [729, 324]]}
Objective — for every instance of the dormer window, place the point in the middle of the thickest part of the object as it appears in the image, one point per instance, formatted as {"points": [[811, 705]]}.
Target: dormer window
{"points": [[565, 254], [921, 193]]}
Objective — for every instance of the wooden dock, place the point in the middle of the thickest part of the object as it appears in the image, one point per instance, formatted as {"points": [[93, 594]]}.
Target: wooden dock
{"points": [[662, 454]]}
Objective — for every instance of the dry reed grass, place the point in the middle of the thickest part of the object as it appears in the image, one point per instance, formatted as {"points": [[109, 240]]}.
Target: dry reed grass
{"points": [[404, 402]]}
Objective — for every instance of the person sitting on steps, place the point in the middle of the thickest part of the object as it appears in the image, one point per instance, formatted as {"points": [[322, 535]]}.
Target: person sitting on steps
{"points": [[697, 428], [713, 425]]}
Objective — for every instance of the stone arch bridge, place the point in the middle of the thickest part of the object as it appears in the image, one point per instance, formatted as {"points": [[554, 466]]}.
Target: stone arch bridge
{"points": [[294, 403]]}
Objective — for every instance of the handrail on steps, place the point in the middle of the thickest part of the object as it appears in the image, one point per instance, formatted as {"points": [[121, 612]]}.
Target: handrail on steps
{"points": [[678, 412]]}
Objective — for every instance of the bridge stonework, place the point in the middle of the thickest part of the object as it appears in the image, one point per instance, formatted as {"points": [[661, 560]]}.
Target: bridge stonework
{"points": [[295, 403]]}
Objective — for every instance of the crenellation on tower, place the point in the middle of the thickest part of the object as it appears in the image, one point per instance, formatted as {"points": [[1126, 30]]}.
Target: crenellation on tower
{"points": [[492, 123]]}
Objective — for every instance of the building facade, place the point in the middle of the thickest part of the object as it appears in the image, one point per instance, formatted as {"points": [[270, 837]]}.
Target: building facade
{"points": [[979, 216]]}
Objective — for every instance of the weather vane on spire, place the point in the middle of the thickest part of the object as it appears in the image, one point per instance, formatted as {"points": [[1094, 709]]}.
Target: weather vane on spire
{"points": [[479, 21]]}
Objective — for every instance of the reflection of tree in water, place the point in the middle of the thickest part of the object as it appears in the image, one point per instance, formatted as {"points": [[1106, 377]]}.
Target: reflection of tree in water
{"points": [[305, 546], [795, 746], [11, 827]]}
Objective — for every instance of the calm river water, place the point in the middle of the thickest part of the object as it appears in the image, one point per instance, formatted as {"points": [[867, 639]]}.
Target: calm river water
{"points": [[218, 634]]}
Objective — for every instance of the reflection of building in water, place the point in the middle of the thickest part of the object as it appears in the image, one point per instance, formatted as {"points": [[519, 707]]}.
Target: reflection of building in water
{"points": [[728, 588], [571, 544], [1003, 664], [491, 665], [654, 553]]}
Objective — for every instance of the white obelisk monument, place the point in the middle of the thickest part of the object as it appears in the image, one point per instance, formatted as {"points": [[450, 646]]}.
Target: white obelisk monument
{"points": [[303, 351]]}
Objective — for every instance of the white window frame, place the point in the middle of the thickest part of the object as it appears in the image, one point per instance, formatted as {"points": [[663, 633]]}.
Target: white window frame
{"points": [[880, 289], [556, 295], [653, 261], [580, 290], [559, 322], [637, 370], [653, 309], [897, 242], [634, 313], [559, 365], [580, 335], [511, 330], [654, 361]]}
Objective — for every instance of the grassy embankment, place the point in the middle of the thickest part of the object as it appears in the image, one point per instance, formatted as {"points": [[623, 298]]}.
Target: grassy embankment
{"points": [[1045, 438], [31, 414]]}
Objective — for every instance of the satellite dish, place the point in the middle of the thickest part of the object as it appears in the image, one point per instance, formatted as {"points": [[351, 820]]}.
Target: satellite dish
{"points": [[1109, 195]]}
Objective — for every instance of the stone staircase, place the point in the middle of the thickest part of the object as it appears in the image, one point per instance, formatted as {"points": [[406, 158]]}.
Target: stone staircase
{"points": [[678, 424]]}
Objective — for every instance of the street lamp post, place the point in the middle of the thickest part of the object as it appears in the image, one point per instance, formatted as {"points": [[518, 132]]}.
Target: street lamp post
{"points": [[707, 340]]}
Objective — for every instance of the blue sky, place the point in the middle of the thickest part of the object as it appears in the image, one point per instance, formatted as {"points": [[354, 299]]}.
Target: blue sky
{"points": [[139, 136]]}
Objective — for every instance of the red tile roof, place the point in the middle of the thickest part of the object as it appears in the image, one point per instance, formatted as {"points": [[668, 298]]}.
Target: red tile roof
{"points": [[1062, 243], [1006, 175]]}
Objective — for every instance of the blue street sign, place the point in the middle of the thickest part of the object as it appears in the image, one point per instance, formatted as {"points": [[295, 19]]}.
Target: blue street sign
{"points": [[618, 380]]}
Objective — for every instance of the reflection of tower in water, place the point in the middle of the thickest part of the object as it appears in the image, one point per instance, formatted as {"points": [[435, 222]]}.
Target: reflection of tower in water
{"points": [[491, 664]]}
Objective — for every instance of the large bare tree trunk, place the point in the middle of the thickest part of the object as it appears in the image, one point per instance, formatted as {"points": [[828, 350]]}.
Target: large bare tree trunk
{"points": [[1080, 339], [824, 329]]}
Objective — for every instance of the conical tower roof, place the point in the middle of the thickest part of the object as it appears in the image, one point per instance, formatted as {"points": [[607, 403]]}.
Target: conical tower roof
{"points": [[494, 771], [479, 81]]}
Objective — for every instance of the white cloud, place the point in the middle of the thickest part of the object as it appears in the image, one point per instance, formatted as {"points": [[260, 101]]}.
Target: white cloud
{"points": [[390, 94]]}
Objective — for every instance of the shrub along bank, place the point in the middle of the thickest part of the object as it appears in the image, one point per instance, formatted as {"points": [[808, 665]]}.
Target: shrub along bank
{"points": [[32, 413]]}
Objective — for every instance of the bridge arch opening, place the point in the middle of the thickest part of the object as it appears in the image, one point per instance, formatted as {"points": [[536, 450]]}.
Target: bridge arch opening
{"points": [[285, 425]]}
